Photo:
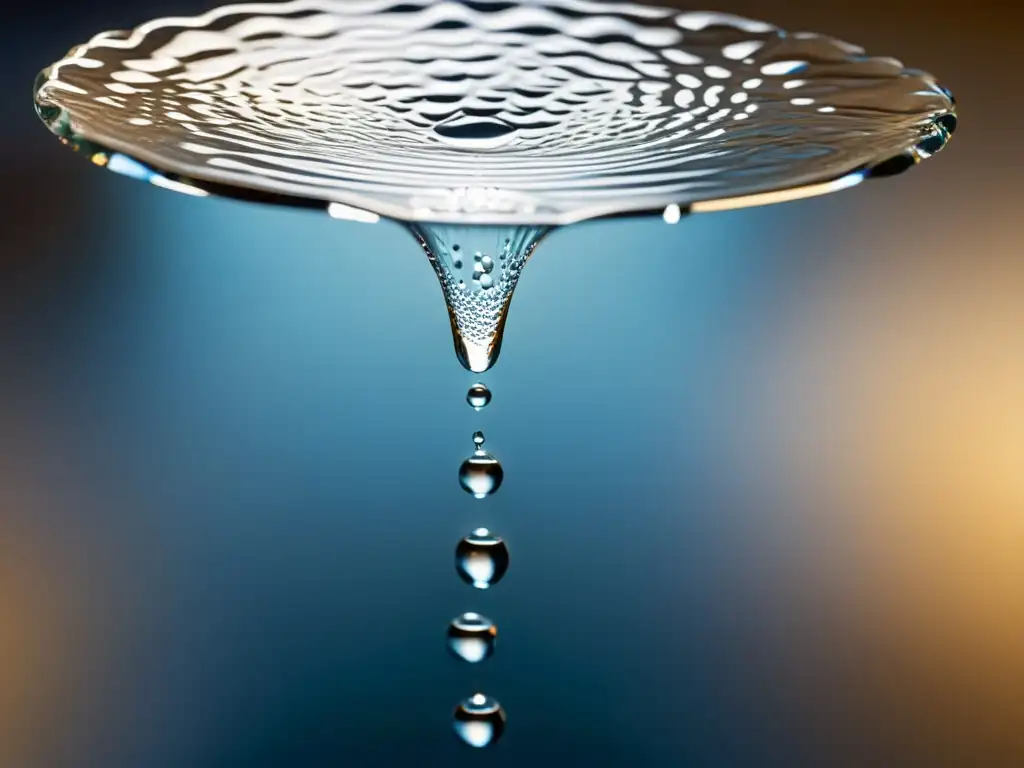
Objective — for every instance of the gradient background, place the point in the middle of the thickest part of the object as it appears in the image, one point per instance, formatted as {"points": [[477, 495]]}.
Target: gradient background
{"points": [[764, 480]]}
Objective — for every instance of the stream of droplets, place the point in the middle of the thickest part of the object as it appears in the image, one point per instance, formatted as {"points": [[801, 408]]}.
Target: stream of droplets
{"points": [[481, 560], [481, 126]]}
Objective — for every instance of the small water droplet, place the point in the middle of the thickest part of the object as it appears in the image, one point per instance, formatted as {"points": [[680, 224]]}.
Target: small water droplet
{"points": [[481, 558], [457, 263], [486, 281], [479, 720], [480, 474], [456, 247], [472, 637], [479, 396], [487, 263]]}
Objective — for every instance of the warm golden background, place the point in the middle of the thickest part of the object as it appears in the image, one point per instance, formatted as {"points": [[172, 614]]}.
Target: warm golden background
{"points": [[765, 488]]}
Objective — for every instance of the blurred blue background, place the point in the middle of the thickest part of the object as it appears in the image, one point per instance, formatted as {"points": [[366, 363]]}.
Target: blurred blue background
{"points": [[763, 488]]}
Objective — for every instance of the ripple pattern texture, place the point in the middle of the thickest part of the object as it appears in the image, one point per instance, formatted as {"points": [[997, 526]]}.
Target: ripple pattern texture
{"points": [[534, 113]]}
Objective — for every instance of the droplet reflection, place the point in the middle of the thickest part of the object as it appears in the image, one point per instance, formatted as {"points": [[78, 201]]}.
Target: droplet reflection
{"points": [[479, 396], [472, 637], [479, 721], [480, 474], [481, 558]]}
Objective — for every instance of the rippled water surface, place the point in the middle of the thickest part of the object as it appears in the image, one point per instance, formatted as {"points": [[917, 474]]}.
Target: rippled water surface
{"points": [[487, 112]]}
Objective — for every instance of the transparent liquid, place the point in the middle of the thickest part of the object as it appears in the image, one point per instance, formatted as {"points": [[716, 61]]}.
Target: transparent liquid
{"points": [[479, 721], [510, 117], [539, 113], [472, 637], [480, 474], [478, 396], [482, 126], [481, 559]]}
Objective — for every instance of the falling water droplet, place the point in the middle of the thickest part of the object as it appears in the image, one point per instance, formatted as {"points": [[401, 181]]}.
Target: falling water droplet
{"points": [[481, 558], [479, 720], [478, 308], [479, 396], [480, 474], [472, 637]]}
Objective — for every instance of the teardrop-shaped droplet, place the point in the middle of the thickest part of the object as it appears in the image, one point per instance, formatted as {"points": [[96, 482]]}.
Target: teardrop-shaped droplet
{"points": [[479, 396], [472, 637], [477, 297], [479, 720], [481, 558]]}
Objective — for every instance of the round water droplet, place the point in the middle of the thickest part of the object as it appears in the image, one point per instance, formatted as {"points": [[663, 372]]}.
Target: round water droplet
{"points": [[478, 438], [481, 558], [457, 263], [480, 474], [486, 281], [472, 637], [479, 396], [487, 263], [479, 720]]}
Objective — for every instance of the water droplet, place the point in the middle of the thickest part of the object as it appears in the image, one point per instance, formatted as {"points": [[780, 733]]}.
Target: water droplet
{"points": [[479, 720], [479, 396], [481, 558], [480, 474], [487, 263], [477, 312], [457, 263], [472, 637]]}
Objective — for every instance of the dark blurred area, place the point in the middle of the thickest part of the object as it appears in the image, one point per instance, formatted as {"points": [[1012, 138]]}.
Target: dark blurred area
{"points": [[764, 487]]}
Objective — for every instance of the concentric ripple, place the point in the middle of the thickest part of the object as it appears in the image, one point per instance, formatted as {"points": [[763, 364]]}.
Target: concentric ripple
{"points": [[539, 112]]}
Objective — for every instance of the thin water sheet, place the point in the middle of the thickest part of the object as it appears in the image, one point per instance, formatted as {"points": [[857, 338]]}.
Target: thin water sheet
{"points": [[531, 112]]}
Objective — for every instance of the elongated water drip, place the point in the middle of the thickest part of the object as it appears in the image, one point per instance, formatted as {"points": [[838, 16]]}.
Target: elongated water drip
{"points": [[478, 267]]}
